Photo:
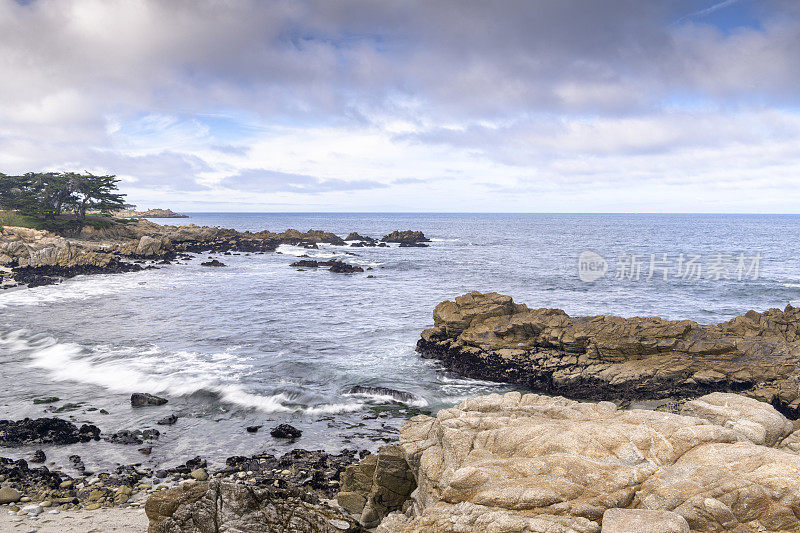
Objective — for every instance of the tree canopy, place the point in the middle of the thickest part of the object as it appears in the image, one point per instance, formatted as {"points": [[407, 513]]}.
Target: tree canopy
{"points": [[49, 194]]}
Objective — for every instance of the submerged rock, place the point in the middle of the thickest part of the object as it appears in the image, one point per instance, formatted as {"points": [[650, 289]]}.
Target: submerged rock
{"points": [[143, 399], [383, 392], [38, 457], [535, 462], [45, 431], [285, 431], [339, 267], [168, 420], [488, 336], [137, 436]]}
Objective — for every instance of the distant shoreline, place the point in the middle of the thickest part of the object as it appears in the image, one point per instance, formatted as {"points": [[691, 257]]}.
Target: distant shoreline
{"points": [[150, 213]]}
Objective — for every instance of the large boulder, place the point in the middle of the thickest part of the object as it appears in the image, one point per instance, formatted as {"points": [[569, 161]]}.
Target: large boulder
{"points": [[537, 463], [379, 484], [226, 507], [488, 336]]}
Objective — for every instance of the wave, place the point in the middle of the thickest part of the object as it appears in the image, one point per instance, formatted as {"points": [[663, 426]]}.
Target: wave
{"points": [[73, 289], [299, 251], [188, 375], [384, 395]]}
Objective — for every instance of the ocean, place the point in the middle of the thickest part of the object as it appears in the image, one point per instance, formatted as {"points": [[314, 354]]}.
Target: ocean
{"points": [[261, 343]]}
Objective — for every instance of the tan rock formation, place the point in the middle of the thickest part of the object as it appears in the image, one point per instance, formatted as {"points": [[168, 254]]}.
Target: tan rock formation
{"points": [[488, 336], [544, 464]]}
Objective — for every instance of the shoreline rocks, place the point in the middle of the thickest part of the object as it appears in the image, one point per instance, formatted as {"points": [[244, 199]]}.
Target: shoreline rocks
{"points": [[540, 464], [45, 431], [33, 258], [488, 336]]}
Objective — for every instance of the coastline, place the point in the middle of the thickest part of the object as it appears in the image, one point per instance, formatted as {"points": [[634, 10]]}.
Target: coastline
{"points": [[33, 257], [582, 466]]}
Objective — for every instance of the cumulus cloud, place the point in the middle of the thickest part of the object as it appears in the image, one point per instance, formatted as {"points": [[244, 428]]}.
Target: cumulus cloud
{"points": [[313, 98]]}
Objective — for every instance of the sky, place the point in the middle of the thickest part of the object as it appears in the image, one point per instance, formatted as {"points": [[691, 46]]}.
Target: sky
{"points": [[413, 105]]}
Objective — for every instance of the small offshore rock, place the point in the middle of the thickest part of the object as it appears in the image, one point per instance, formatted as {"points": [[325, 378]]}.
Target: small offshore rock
{"points": [[168, 420], [147, 450], [38, 457], [253, 429], [285, 431], [406, 237], [140, 399], [213, 263], [49, 399]]}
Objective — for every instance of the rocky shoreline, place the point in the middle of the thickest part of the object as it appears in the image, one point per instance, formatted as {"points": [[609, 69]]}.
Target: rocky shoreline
{"points": [[488, 336], [723, 455], [505, 463], [33, 258]]}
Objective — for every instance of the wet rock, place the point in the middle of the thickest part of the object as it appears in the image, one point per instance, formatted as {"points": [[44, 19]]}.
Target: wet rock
{"points": [[285, 431], [77, 463], [49, 399], [168, 420], [334, 265], [382, 392], [147, 450], [213, 263], [354, 236], [308, 263], [253, 429], [38, 457], [340, 267], [488, 336], [137, 436], [45, 431], [139, 399], [406, 237]]}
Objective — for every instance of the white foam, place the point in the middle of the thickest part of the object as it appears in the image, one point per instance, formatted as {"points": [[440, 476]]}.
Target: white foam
{"points": [[178, 373], [77, 288], [299, 251], [388, 398]]}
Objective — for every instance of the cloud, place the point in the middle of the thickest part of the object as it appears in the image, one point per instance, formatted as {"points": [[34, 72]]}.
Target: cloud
{"points": [[387, 99], [262, 180]]}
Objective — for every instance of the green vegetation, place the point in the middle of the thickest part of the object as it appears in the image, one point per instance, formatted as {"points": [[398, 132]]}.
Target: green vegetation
{"points": [[58, 201]]}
